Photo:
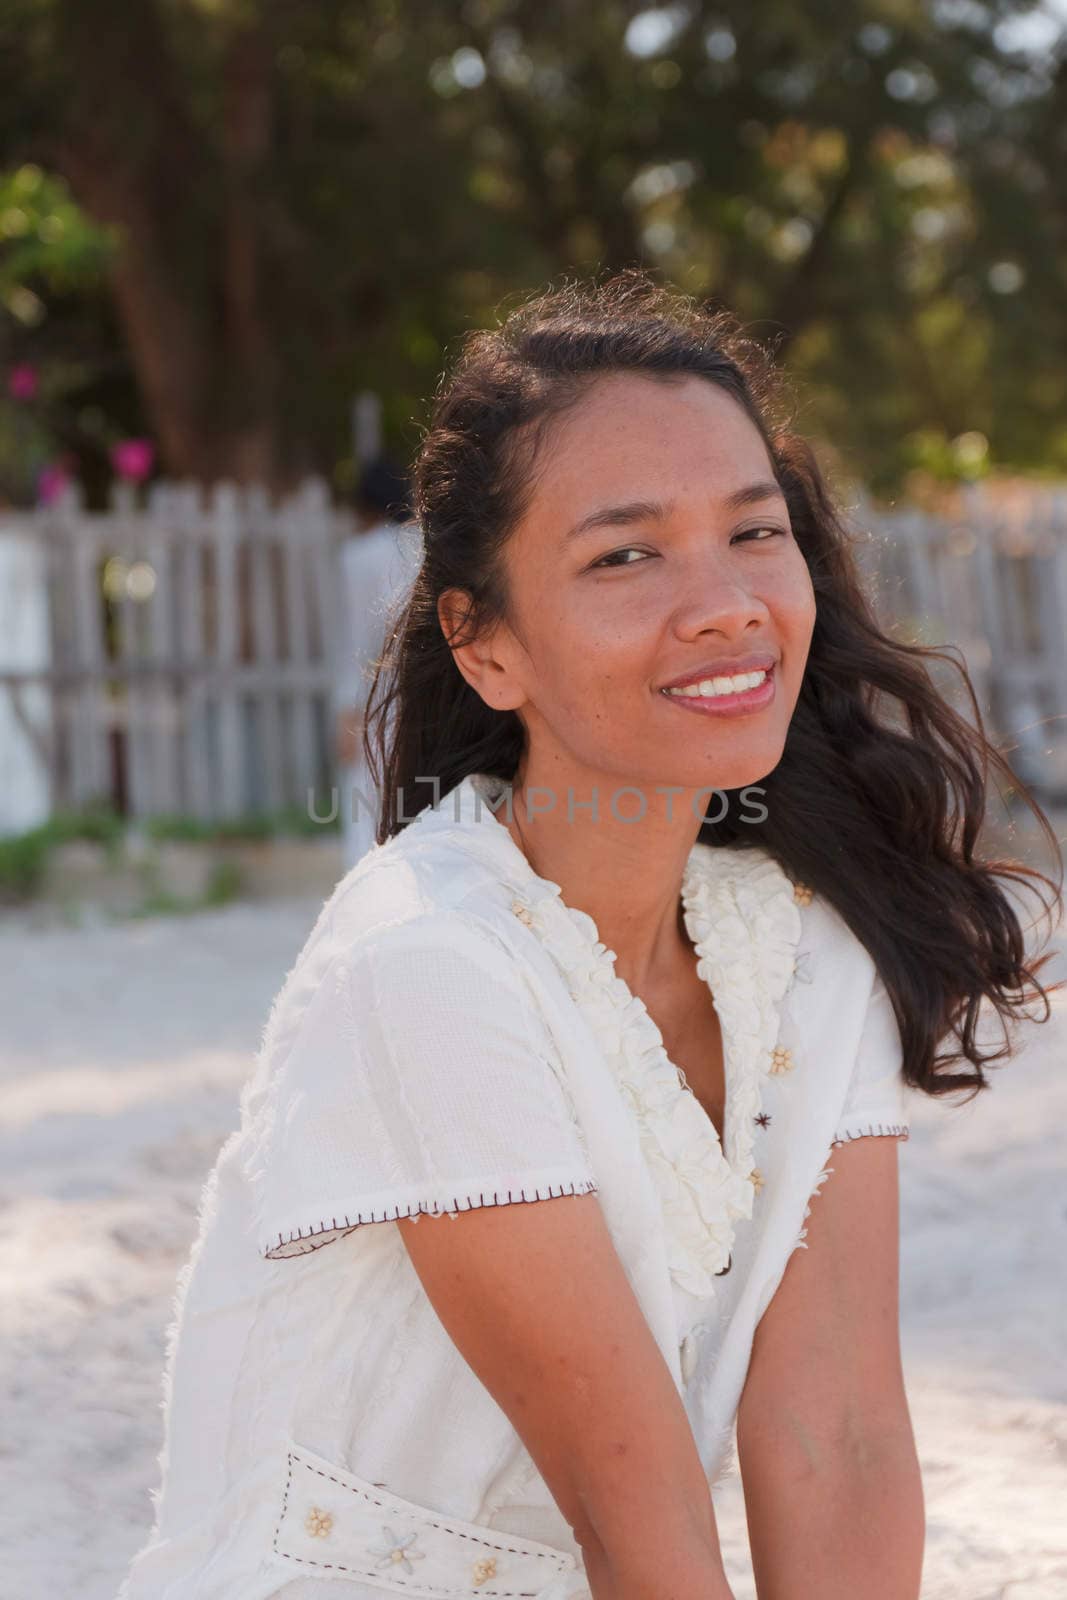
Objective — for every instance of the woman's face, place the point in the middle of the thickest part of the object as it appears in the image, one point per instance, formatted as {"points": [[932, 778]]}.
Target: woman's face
{"points": [[604, 617]]}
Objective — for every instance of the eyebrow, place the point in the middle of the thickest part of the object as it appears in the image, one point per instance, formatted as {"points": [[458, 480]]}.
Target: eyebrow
{"points": [[657, 511]]}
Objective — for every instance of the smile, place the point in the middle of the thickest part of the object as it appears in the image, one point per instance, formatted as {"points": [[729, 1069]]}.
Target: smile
{"points": [[716, 686], [745, 691]]}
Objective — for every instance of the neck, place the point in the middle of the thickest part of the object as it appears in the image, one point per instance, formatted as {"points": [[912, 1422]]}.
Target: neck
{"points": [[626, 876]]}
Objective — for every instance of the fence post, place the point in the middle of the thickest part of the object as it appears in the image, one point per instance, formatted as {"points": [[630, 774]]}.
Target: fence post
{"points": [[270, 753], [229, 721], [26, 729]]}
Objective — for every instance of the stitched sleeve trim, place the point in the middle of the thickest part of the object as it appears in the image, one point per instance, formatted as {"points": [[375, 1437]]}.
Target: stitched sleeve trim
{"points": [[303, 1240], [873, 1130]]}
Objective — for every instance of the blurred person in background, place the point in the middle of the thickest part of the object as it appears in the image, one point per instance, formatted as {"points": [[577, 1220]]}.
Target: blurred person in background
{"points": [[378, 566]]}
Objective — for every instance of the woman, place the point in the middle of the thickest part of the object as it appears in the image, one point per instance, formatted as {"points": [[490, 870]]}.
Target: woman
{"points": [[695, 907]]}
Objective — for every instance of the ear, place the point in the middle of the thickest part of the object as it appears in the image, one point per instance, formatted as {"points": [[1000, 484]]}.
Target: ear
{"points": [[483, 660]]}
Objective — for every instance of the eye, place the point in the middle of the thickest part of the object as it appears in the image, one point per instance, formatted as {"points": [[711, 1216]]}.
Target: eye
{"points": [[746, 533], [749, 535], [610, 561]]}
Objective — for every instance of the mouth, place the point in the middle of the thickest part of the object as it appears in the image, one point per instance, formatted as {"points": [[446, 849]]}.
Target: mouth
{"points": [[736, 694]]}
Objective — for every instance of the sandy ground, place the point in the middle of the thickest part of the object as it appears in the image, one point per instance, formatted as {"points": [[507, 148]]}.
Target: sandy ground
{"points": [[123, 1054]]}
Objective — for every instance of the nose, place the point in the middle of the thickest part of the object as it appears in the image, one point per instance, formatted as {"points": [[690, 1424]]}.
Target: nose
{"points": [[718, 599]]}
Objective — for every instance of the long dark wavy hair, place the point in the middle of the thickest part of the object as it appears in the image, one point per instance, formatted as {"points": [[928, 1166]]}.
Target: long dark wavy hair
{"points": [[896, 777]]}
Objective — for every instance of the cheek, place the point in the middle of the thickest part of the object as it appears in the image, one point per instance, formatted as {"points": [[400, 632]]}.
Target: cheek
{"points": [[793, 602], [586, 675], [592, 638]]}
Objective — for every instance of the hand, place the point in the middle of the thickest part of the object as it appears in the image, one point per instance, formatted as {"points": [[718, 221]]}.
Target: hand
{"points": [[348, 736]]}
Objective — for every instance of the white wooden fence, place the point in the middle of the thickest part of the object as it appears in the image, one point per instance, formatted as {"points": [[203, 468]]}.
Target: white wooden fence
{"points": [[991, 581], [193, 642]]}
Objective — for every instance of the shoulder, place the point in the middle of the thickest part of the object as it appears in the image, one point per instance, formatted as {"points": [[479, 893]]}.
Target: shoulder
{"points": [[418, 894], [843, 959]]}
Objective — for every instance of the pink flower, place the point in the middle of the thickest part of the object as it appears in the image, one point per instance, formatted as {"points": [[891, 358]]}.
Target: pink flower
{"points": [[133, 459], [51, 482], [22, 381]]}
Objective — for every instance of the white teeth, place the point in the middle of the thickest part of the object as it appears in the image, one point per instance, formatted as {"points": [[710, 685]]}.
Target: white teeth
{"points": [[708, 688]]}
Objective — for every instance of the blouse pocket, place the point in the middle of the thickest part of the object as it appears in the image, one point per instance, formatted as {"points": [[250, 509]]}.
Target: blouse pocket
{"points": [[331, 1521]]}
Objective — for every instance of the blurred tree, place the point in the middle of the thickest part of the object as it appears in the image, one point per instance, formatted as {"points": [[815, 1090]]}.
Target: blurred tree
{"points": [[313, 196]]}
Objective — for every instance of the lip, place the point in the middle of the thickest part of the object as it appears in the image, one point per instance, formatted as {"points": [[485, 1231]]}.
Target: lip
{"points": [[743, 704], [755, 661]]}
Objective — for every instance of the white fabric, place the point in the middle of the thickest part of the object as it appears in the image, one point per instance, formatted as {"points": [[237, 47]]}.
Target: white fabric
{"points": [[398, 1123], [454, 1035], [377, 570]]}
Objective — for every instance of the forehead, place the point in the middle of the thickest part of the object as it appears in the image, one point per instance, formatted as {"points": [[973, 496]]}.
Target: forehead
{"points": [[651, 437]]}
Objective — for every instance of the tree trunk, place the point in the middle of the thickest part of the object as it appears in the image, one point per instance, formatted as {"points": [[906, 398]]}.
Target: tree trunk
{"points": [[135, 159], [251, 375]]}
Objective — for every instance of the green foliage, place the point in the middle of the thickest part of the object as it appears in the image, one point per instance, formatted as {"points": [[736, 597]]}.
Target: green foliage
{"points": [[98, 824], [54, 264], [224, 885], [47, 241], [24, 857], [289, 822], [299, 822], [879, 190]]}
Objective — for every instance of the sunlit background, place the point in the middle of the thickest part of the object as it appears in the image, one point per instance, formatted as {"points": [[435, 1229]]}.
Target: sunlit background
{"points": [[239, 241]]}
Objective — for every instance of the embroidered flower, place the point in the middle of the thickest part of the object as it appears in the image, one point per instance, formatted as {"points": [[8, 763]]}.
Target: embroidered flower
{"points": [[755, 1177], [522, 912], [318, 1523], [803, 894], [763, 1120], [398, 1552], [781, 1061], [802, 968], [484, 1568]]}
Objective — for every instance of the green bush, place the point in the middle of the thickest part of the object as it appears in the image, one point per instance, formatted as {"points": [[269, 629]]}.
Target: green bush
{"points": [[24, 856], [253, 827], [224, 884], [96, 824], [178, 829], [23, 859]]}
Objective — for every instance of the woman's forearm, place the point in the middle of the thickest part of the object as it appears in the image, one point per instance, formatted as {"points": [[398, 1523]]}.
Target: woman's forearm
{"points": [[857, 1530], [663, 1570]]}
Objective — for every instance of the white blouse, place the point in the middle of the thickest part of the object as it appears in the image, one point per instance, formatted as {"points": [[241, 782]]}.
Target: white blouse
{"points": [[453, 1035]]}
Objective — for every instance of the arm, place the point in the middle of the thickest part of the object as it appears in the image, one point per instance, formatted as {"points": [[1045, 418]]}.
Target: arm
{"points": [[831, 1477], [422, 1071], [537, 1302]]}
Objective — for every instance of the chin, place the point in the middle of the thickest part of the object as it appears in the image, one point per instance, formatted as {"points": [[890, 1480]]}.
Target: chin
{"points": [[735, 773]]}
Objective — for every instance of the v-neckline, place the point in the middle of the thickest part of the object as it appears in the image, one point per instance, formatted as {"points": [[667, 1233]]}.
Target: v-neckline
{"points": [[486, 787], [695, 1024], [744, 925], [633, 1003]]}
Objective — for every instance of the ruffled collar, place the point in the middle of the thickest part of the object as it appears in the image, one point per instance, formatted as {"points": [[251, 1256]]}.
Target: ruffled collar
{"points": [[741, 915]]}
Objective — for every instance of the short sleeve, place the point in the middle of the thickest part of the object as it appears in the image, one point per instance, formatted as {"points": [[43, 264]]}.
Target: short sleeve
{"points": [[875, 1102], [422, 1079]]}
